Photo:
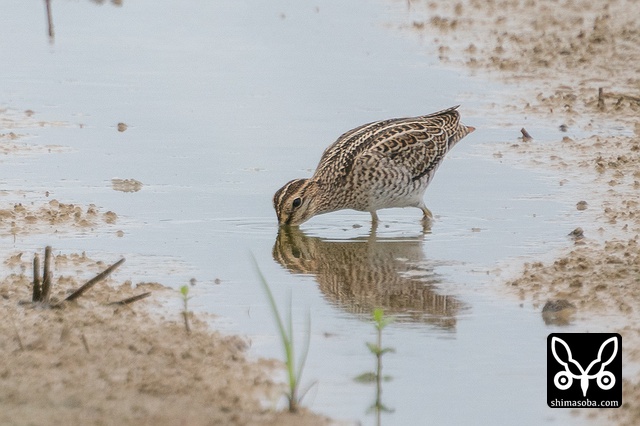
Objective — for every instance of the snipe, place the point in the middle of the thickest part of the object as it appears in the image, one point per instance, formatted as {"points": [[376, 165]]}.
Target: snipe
{"points": [[379, 165]]}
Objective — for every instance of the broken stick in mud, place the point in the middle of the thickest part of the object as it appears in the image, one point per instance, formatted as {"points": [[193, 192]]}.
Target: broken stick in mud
{"points": [[101, 276], [132, 299], [45, 294], [42, 285]]}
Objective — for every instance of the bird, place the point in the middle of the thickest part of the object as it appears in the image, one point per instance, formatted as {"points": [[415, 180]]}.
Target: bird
{"points": [[379, 165]]}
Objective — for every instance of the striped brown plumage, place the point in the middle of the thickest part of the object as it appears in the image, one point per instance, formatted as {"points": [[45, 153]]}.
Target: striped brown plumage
{"points": [[379, 165]]}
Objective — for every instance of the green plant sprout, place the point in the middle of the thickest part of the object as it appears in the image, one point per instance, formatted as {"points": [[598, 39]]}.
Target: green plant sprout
{"points": [[294, 375], [184, 293], [380, 321]]}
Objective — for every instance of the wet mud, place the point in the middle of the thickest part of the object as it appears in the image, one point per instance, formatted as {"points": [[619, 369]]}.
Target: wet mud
{"points": [[94, 362], [574, 64]]}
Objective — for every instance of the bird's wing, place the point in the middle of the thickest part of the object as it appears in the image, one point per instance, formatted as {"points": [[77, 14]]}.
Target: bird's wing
{"points": [[338, 159], [416, 143]]}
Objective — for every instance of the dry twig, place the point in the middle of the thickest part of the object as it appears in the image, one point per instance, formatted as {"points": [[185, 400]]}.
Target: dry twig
{"points": [[526, 137], [132, 299], [37, 281], [601, 99], [93, 281], [47, 275], [85, 343]]}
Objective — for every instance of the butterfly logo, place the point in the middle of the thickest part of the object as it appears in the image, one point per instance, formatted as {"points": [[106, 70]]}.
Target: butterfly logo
{"points": [[564, 379]]}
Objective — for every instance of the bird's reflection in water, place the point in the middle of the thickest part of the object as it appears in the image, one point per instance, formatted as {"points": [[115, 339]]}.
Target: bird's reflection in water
{"points": [[361, 274]]}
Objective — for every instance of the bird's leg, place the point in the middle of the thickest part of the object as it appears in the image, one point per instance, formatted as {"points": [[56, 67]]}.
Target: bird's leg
{"points": [[427, 215], [426, 219], [374, 224], [374, 217]]}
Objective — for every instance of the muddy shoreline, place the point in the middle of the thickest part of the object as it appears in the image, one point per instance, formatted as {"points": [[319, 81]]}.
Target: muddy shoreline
{"points": [[92, 362], [574, 63]]}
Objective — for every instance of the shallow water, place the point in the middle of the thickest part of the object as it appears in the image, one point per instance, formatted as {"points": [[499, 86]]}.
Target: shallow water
{"points": [[227, 101]]}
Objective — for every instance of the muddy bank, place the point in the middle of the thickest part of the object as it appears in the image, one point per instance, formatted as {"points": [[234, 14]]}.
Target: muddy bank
{"points": [[575, 64], [91, 362], [557, 55]]}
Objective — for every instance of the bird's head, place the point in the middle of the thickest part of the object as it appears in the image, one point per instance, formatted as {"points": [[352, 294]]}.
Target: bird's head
{"points": [[297, 202]]}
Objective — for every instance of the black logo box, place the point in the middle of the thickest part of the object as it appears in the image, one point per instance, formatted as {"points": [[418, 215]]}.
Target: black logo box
{"points": [[585, 370]]}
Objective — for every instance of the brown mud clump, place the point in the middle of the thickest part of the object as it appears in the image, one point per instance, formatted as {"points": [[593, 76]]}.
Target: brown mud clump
{"points": [[51, 217], [126, 185]]}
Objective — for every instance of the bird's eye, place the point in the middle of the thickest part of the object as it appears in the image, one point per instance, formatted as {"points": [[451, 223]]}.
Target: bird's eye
{"points": [[297, 202]]}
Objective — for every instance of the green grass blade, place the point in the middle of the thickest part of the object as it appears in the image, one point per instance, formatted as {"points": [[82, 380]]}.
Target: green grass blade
{"points": [[305, 348], [272, 303], [286, 335], [291, 360]]}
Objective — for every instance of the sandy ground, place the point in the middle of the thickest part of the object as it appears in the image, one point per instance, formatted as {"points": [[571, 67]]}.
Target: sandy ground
{"points": [[575, 64], [91, 362]]}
